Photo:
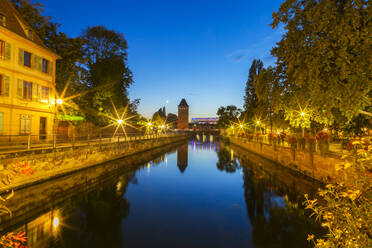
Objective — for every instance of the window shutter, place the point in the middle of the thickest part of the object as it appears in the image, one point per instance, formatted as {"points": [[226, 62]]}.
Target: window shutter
{"points": [[51, 68], [21, 56], [8, 51], [6, 85], [50, 94], [39, 92], [38, 63], [20, 88], [34, 92]]}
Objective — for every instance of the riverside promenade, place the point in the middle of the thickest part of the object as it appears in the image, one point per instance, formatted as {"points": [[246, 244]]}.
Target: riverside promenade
{"points": [[22, 168]]}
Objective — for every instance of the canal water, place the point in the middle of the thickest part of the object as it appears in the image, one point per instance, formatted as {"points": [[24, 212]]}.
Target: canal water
{"points": [[201, 194]]}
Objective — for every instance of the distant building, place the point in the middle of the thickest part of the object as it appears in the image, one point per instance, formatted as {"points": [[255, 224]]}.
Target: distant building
{"points": [[27, 78], [172, 120], [183, 115], [207, 120], [204, 124]]}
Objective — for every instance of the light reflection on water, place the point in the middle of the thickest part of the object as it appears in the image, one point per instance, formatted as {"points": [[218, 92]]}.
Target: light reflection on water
{"points": [[205, 194]]}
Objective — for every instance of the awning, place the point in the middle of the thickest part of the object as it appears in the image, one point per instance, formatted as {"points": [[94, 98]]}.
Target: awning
{"points": [[69, 118]]}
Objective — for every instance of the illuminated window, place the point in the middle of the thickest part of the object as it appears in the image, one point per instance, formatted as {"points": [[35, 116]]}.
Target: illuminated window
{"points": [[44, 93], [27, 59], [45, 67], [25, 124], [27, 90]]}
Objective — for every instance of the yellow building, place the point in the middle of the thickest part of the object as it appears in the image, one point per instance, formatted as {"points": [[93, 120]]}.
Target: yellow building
{"points": [[27, 78]]}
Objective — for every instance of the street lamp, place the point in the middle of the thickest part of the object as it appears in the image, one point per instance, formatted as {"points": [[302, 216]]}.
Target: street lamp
{"points": [[120, 121], [59, 101], [303, 130]]}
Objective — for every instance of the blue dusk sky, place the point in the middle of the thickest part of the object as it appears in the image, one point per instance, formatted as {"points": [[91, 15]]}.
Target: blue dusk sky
{"points": [[197, 50]]}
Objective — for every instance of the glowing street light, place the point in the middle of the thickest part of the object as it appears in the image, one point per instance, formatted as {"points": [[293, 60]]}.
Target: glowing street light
{"points": [[120, 121], [55, 222], [149, 124], [302, 113], [241, 125], [59, 101]]}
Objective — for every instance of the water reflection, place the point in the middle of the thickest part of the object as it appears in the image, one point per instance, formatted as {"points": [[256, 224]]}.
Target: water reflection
{"points": [[182, 157], [276, 221], [92, 220], [227, 161], [204, 142]]}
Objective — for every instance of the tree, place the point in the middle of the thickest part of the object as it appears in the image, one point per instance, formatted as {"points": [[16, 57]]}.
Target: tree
{"points": [[268, 94], [250, 98], [105, 53], [227, 115], [323, 60]]}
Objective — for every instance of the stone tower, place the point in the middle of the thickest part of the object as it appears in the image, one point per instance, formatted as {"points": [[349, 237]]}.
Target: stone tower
{"points": [[183, 115]]}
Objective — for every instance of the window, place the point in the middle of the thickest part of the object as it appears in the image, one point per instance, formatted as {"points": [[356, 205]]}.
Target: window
{"points": [[45, 67], [25, 125], [2, 49], [27, 90], [1, 84], [2, 20], [44, 94], [29, 33], [27, 59]]}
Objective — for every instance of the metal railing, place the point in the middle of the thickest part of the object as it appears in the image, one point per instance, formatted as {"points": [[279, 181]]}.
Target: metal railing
{"points": [[10, 143]]}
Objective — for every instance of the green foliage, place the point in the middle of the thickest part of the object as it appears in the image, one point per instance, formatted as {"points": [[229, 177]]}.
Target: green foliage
{"points": [[105, 56], [228, 115], [345, 208], [324, 57], [250, 98]]}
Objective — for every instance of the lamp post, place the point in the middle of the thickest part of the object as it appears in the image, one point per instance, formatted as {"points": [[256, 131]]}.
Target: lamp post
{"points": [[302, 120], [59, 102]]}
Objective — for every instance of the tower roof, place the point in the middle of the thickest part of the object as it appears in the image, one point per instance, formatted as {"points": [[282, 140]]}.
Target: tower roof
{"points": [[16, 24], [183, 103]]}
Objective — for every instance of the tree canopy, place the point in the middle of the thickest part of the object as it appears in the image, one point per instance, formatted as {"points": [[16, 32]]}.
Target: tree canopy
{"points": [[323, 59], [250, 98]]}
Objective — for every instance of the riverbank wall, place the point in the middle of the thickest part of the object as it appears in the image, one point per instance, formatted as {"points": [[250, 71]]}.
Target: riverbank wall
{"points": [[318, 167], [23, 169]]}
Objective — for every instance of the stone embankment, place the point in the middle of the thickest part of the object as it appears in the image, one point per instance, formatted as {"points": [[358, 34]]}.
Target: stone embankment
{"points": [[316, 166], [46, 164]]}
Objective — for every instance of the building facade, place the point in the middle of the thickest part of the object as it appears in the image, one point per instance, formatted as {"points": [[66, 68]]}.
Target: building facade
{"points": [[183, 115], [27, 78]]}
